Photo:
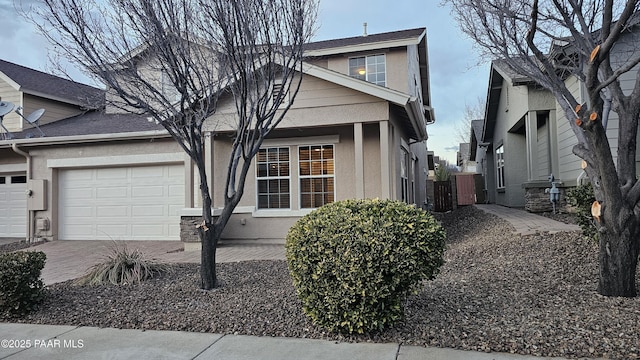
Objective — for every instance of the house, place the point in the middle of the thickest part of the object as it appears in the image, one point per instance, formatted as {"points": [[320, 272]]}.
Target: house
{"points": [[528, 137], [463, 159], [25, 91], [357, 129], [521, 137]]}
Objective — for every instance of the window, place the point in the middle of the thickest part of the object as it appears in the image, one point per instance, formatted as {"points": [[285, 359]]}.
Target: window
{"points": [[3, 180], [20, 179], [317, 175], [500, 167], [369, 68], [404, 174], [273, 177]]}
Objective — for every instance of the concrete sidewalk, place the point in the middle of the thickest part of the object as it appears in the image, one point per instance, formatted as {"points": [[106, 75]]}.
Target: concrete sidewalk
{"points": [[23, 341], [525, 222]]}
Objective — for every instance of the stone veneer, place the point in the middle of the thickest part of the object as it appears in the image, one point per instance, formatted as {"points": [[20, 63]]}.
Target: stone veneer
{"points": [[188, 230], [537, 201]]}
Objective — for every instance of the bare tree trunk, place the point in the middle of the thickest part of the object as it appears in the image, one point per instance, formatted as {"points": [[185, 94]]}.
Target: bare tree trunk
{"points": [[208, 234], [208, 278], [618, 259]]}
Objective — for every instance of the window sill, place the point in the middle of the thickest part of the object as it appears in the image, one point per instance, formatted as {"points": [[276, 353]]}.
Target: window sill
{"points": [[262, 213], [501, 190]]}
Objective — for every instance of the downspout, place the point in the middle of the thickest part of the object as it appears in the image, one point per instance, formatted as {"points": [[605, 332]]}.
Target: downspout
{"points": [[18, 151]]}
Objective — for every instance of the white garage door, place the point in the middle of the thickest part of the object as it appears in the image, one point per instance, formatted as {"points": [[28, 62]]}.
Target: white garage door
{"points": [[124, 203], [13, 206]]}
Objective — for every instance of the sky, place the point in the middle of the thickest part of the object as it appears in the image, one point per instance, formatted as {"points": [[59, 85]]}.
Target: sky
{"points": [[458, 77]]}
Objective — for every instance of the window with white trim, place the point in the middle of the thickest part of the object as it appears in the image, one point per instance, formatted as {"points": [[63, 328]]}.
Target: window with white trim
{"points": [[404, 174], [500, 167], [317, 175], [273, 178], [370, 68]]}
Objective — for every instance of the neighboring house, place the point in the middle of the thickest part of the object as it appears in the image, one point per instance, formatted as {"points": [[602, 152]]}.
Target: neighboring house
{"points": [[528, 137], [520, 120], [477, 149], [31, 90], [357, 129], [464, 160]]}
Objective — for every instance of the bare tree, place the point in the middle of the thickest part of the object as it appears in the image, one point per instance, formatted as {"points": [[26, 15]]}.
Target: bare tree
{"points": [[551, 40], [473, 111], [173, 59]]}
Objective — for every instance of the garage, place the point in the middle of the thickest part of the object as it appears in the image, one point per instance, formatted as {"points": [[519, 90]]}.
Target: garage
{"points": [[13, 205], [120, 203]]}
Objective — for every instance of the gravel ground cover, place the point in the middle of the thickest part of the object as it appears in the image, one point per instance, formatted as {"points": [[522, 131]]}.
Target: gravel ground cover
{"points": [[496, 292], [14, 246]]}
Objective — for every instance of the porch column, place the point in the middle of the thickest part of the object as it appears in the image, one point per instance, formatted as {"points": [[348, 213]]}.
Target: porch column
{"points": [[188, 182], [208, 161], [531, 128], [385, 168], [552, 127], [359, 158]]}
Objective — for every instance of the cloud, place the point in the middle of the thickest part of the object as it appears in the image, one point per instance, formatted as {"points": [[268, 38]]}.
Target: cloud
{"points": [[452, 148]]}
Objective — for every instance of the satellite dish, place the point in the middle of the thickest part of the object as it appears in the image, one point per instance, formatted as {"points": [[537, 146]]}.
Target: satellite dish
{"points": [[35, 116], [5, 108], [32, 118]]}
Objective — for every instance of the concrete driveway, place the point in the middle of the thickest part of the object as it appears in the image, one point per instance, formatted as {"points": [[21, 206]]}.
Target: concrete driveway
{"points": [[70, 259]]}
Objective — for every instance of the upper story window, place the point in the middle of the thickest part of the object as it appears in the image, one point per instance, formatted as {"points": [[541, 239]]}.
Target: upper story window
{"points": [[370, 68]]}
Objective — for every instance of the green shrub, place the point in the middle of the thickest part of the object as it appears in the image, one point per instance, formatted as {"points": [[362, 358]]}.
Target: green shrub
{"points": [[442, 173], [21, 288], [582, 197], [354, 262], [121, 267]]}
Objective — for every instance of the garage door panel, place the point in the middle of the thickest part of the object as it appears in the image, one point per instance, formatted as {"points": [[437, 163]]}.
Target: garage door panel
{"points": [[79, 212], [148, 230], [149, 211], [13, 208], [80, 193], [113, 192], [146, 191], [135, 203], [148, 172], [113, 211], [112, 174], [176, 190]]}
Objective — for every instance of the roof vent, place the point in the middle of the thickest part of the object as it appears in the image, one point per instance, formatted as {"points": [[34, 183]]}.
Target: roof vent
{"points": [[365, 29]]}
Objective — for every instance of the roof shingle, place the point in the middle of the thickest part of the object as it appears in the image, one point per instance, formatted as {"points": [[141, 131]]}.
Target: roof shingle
{"points": [[41, 83]]}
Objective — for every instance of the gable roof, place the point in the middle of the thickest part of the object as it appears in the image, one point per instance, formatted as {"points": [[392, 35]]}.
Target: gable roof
{"points": [[394, 37], [41, 84], [476, 136], [401, 38], [412, 106]]}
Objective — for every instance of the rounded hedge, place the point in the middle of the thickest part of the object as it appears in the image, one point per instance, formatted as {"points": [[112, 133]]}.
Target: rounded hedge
{"points": [[354, 262]]}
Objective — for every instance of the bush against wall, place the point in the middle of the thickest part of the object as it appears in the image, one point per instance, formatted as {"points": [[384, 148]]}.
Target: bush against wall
{"points": [[21, 288], [354, 262], [582, 197]]}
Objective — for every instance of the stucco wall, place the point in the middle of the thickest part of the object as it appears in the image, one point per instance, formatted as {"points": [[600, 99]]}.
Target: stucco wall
{"points": [[396, 63], [114, 149]]}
